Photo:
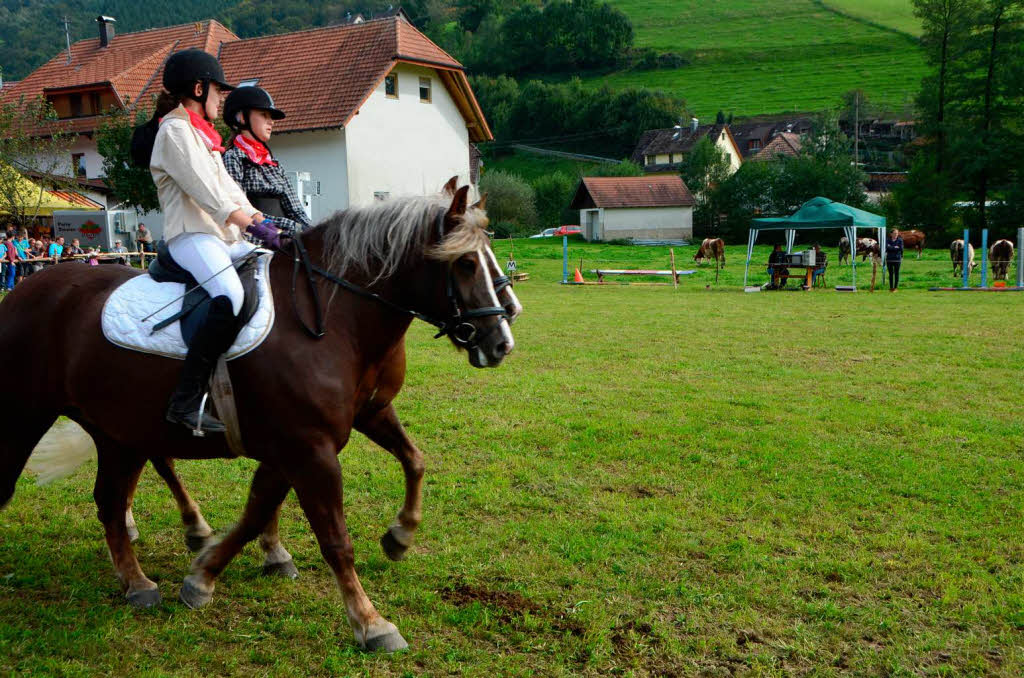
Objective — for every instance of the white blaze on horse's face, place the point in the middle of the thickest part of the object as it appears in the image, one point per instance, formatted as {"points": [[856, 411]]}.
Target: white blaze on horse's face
{"points": [[506, 297], [492, 352], [490, 339]]}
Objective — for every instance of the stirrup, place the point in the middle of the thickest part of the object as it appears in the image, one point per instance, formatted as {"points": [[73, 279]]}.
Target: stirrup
{"points": [[198, 431]]}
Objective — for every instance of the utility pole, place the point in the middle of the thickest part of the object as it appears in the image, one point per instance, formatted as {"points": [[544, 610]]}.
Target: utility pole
{"points": [[856, 129], [67, 37]]}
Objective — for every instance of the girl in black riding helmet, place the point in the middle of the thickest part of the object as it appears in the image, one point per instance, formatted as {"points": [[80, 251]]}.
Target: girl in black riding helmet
{"points": [[250, 113], [205, 214]]}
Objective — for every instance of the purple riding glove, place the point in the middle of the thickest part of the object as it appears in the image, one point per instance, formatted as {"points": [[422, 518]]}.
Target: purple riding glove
{"points": [[267, 232]]}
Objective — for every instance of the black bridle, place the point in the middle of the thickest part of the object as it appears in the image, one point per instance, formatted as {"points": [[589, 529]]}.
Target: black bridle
{"points": [[456, 324]]}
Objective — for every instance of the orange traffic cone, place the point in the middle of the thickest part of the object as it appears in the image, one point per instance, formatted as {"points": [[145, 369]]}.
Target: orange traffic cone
{"points": [[577, 277]]}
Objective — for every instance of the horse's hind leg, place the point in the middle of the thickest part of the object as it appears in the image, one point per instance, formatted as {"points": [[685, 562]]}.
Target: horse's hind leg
{"points": [[277, 561], [116, 478], [16, 447], [197, 531], [386, 430], [266, 493]]}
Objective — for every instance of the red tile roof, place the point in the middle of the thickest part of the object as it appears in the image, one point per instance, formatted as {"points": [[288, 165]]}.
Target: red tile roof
{"points": [[783, 144], [132, 65], [650, 191], [320, 77]]}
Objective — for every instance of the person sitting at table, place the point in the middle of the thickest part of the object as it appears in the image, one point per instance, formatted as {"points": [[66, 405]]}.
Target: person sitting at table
{"points": [[820, 264], [776, 263]]}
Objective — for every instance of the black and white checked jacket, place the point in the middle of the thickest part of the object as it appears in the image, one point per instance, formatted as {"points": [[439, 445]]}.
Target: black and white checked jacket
{"points": [[266, 180]]}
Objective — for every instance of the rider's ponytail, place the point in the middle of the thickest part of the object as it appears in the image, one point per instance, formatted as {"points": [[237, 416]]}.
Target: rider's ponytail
{"points": [[144, 136]]}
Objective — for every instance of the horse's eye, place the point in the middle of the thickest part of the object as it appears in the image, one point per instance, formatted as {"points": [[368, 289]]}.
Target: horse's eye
{"points": [[466, 265]]}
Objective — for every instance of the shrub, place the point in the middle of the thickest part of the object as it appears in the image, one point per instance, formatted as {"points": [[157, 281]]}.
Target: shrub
{"points": [[553, 193], [509, 199]]}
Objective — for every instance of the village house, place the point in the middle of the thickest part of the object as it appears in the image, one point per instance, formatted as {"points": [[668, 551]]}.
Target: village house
{"points": [[782, 145], [664, 151], [753, 136], [656, 207], [375, 109]]}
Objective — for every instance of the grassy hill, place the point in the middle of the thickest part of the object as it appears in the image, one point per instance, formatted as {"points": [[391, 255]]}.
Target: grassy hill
{"points": [[751, 57]]}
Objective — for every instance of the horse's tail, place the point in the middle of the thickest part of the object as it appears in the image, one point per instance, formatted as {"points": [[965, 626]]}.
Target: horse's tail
{"points": [[64, 448]]}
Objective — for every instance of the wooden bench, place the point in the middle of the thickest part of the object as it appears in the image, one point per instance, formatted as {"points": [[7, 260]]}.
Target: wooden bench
{"points": [[602, 272]]}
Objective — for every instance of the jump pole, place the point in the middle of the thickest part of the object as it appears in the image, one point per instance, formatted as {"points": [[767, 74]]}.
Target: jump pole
{"points": [[1020, 257], [966, 270], [984, 258], [565, 259]]}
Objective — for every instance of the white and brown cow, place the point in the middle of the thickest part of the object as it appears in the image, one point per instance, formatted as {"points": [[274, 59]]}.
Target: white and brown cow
{"points": [[956, 254], [1000, 254], [711, 248]]}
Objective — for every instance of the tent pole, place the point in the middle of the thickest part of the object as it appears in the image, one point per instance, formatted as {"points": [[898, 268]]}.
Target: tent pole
{"points": [[751, 235]]}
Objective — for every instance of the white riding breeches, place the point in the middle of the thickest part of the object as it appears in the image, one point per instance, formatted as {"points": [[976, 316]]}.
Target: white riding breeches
{"points": [[208, 259]]}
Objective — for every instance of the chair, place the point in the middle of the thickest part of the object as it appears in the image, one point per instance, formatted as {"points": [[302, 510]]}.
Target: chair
{"points": [[819, 273]]}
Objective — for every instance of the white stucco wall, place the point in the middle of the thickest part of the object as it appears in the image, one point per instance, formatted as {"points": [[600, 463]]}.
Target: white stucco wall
{"points": [[404, 146], [643, 223], [93, 160], [323, 154], [725, 145]]}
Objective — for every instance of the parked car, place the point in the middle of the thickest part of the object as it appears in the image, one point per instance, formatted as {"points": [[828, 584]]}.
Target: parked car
{"points": [[568, 229]]}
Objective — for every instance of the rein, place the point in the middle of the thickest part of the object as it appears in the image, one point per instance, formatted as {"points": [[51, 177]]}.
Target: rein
{"points": [[455, 325]]}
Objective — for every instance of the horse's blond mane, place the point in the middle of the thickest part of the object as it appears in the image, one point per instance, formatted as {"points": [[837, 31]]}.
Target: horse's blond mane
{"points": [[376, 239]]}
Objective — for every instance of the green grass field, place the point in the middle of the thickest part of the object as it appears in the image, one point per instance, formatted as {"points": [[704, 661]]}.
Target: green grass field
{"points": [[750, 57], [657, 482], [531, 166], [897, 14]]}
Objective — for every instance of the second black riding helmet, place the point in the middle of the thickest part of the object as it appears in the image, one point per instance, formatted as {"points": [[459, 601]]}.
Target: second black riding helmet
{"points": [[245, 99], [190, 65]]}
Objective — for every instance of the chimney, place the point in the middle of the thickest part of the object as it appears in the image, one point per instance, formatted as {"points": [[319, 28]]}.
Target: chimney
{"points": [[106, 26], [694, 124]]}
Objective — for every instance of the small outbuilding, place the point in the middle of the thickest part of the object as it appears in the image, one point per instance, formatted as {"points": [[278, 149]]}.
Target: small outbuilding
{"points": [[634, 208]]}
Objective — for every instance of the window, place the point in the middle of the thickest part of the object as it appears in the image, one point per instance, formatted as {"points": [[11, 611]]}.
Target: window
{"points": [[391, 86], [425, 90], [78, 164], [76, 105], [649, 159], [754, 144], [251, 82], [381, 196]]}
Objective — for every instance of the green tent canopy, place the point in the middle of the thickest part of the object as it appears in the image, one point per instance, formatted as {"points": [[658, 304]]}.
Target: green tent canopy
{"points": [[819, 213]]}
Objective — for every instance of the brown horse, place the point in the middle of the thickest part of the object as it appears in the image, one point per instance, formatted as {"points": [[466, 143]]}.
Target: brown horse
{"points": [[298, 398], [711, 248]]}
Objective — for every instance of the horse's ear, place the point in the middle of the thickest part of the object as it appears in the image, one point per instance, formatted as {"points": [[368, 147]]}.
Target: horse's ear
{"points": [[449, 188], [459, 202], [481, 204]]}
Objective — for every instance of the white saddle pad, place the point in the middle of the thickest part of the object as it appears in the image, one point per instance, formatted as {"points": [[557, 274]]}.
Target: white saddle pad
{"points": [[140, 296]]}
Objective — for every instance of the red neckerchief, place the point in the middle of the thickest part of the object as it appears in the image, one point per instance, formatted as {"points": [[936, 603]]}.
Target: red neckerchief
{"points": [[208, 133], [255, 150]]}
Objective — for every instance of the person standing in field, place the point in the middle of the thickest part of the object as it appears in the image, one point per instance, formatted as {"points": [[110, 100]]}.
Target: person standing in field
{"points": [[893, 258]]}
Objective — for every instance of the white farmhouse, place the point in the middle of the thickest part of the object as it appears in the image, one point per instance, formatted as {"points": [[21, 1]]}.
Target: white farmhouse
{"points": [[634, 208], [375, 109], [664, 151]]}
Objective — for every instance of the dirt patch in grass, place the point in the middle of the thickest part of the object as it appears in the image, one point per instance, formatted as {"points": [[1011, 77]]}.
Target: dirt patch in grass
{"points": [[510, 605]]}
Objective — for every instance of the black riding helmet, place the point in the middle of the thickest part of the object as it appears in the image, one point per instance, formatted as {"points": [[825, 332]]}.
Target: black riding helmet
{"points": [[245, 99], [188, 66]]}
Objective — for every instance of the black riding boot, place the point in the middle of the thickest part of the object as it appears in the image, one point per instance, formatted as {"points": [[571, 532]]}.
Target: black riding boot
{"points": [[211, 340]]}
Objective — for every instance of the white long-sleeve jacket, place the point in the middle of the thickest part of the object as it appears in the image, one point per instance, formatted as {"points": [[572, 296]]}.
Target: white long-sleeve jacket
{"points": [[195, 191]]}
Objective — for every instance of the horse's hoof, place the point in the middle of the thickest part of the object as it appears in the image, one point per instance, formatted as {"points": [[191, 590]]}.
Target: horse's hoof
{"points": [[393, 549], [285, 569], [388, 642], [195, 543], [193, 596], [144, 599]]}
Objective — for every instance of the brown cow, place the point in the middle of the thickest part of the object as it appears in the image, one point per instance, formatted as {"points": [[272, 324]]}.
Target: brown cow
{"points": [[711, 248], [956, 253], [1000, 254], [913, 240]]}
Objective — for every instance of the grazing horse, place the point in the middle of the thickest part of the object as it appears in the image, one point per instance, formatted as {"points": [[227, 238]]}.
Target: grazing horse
{"points": [[711, 248], [298, 395], [1000, 254], [913, 240], [956, 254]]}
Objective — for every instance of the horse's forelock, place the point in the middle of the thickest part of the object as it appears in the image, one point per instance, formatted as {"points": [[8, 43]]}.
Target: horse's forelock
{"points": [[468, 236]]}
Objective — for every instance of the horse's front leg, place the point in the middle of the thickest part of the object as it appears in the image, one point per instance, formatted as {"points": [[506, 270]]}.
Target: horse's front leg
{"points": [[384, 428], [318, 486], [268, 490], [197, 531]]}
